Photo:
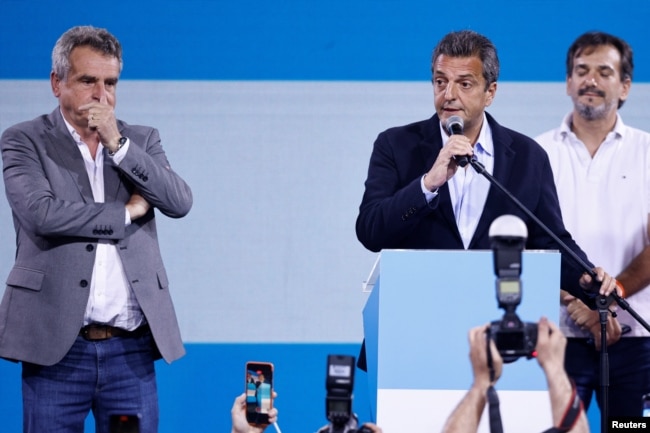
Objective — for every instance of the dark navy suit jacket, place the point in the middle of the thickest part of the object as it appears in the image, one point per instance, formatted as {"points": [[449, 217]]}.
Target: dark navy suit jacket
{"points": [[395, 215]]}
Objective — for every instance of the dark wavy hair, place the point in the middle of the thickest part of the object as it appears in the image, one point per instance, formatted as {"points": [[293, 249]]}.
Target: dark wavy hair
{"points": [[468, 43]]}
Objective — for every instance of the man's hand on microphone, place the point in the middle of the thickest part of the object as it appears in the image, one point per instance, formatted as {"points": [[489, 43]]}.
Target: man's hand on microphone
{"points": [[445, 165], [606, 282]]}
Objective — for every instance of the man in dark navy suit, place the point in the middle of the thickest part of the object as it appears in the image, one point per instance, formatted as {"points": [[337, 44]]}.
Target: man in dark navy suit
{"points": [[418, 197]]}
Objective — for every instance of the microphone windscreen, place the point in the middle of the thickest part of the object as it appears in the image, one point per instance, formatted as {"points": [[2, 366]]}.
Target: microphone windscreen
{"points": [[455, 125]]}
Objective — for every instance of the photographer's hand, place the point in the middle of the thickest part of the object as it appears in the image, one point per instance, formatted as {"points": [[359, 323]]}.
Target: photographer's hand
{"points": [[551, 345], [466, 416], [478, 356]]}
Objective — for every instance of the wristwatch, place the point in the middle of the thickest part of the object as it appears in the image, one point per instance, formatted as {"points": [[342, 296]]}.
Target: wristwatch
{"points": [[121, 142]]}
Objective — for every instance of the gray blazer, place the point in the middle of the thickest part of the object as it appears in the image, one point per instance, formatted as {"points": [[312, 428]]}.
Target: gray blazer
{"points": [[58, 224]]}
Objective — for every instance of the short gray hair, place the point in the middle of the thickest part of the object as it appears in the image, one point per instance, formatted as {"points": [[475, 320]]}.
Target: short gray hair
{"points": [[98, 39]]}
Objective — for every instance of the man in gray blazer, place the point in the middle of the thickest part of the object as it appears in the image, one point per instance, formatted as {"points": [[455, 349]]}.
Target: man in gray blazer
{"points": [[87, 308]]}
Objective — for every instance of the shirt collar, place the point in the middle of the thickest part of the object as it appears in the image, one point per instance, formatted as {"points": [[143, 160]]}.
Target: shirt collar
{"points": [[484, 143], [73, 132], [619, 126], [83, 147]]}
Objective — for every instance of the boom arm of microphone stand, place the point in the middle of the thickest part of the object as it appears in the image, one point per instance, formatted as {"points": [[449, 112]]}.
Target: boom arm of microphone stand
{"points": [[602, 302], [626, 306], [480, 168]]}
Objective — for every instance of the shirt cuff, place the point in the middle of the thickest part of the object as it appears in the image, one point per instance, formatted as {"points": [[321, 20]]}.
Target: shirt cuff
{"points": [[121, 152], [428, 195]]}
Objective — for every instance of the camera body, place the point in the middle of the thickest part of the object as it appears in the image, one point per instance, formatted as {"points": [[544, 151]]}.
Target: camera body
{"points": [[514, 338], [350, 427]]}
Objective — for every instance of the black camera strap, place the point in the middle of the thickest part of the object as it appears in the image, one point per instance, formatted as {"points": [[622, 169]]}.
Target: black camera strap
{"points": [[571, 413], [490, 363], [496, 426]]}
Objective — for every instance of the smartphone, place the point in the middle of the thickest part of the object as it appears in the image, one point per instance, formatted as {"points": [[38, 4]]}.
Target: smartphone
{"points": [[646, 405], [124, 424], [259, 392]]}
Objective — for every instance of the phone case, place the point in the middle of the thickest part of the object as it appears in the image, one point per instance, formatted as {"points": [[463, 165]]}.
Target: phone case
{"points": [[259, 392]]}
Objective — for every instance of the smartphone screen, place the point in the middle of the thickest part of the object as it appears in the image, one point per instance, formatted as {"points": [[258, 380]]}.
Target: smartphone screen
{"points": [[259, 392], [124, 424]]}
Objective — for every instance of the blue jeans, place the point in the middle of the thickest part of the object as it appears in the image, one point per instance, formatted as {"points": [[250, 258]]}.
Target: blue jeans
{"points": [[114, 376], [629, 373]]}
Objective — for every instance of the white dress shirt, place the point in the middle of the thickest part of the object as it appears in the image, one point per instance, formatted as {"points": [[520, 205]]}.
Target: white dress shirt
{"points": [[111, 301]]}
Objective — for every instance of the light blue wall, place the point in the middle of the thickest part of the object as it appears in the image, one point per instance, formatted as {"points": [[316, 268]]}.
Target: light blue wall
{"points": [[269, 110]]}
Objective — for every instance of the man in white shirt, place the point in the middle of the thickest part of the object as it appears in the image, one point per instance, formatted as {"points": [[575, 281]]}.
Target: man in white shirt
{"points": [[601, 168]]}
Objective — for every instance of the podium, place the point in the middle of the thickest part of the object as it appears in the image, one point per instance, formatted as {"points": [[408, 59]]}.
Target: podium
{"points": [[416, 322]]}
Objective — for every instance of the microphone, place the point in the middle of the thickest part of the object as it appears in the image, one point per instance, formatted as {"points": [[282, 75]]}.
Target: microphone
{"points": [[455, 125]]}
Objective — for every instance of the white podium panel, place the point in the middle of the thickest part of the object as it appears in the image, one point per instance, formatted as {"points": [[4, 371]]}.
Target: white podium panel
{"points": [[416, 322]]}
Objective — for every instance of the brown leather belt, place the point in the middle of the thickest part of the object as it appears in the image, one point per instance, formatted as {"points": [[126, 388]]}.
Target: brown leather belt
{"points": [[104, 332]]}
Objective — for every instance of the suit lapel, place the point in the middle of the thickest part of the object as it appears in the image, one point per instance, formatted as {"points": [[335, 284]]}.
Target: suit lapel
{"points": [[64, 150]]}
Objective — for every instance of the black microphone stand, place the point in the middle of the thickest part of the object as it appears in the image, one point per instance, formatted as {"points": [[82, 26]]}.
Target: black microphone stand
{"points": [[602, 302], [604, 365]]}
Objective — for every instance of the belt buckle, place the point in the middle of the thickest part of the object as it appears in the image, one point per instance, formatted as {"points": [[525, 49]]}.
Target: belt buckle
{"points": [[96, 333]]}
